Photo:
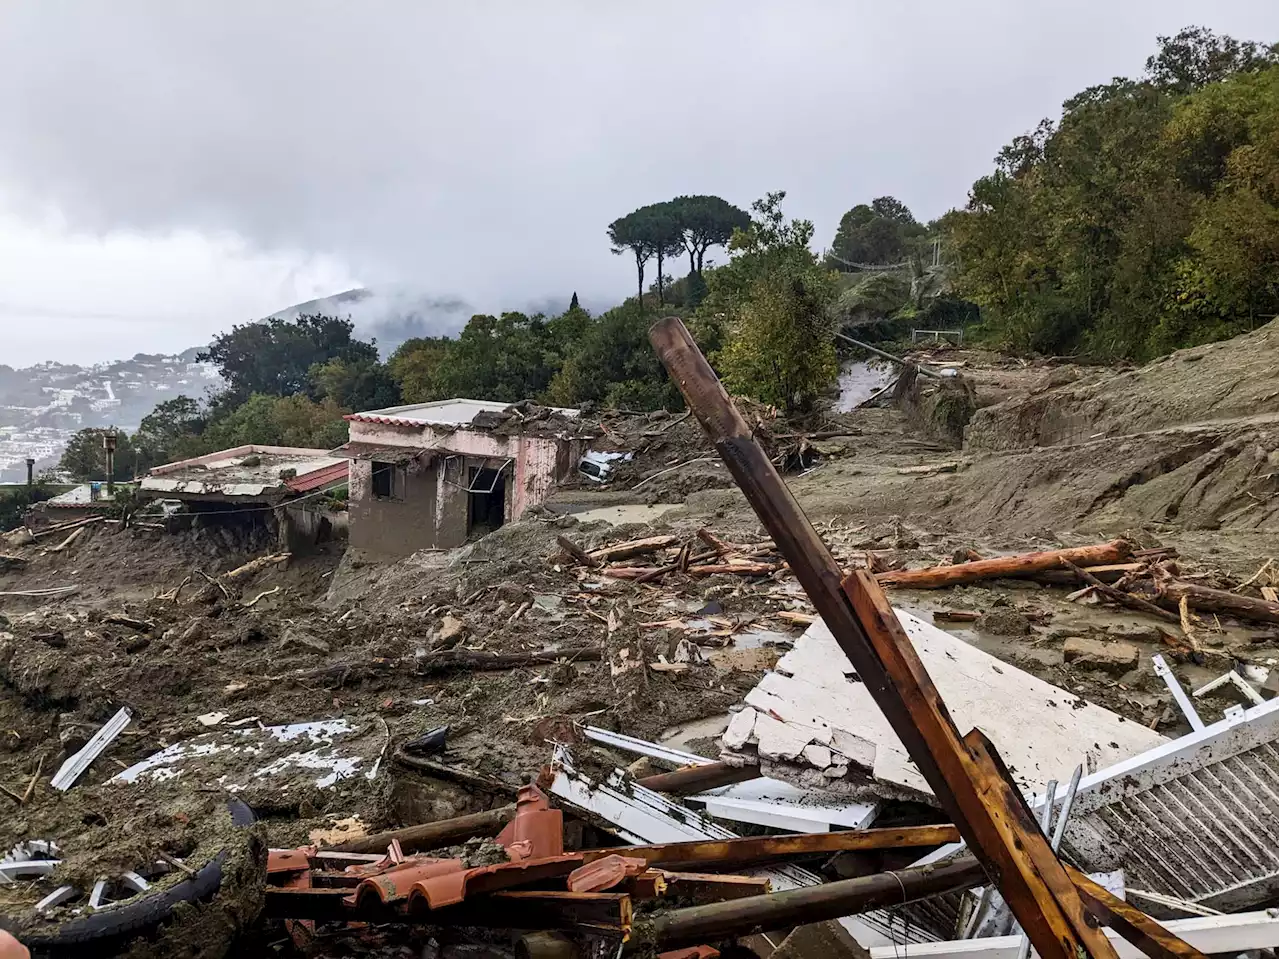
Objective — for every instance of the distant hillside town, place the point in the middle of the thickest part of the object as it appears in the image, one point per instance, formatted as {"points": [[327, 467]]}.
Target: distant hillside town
{"points": [[41, 406]]}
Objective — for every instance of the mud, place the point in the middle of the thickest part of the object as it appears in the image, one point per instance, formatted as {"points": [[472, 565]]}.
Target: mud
{"points": [[335, 635]]}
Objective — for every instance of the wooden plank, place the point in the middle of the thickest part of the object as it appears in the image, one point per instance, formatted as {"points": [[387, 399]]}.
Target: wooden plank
{"points": [[692, 779], [1131, 922], [888, 665]]}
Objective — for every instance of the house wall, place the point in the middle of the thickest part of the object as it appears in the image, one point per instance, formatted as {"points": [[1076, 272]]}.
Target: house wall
{"points": [[303, 527], [394, 527], [433, 512]]}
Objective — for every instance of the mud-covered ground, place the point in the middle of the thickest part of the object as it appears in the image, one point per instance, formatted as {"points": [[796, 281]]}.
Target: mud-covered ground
{"points": [[1055, 455]]}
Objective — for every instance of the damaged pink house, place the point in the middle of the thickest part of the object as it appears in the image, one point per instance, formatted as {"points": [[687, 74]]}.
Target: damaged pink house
{"points": [[435, 475]]}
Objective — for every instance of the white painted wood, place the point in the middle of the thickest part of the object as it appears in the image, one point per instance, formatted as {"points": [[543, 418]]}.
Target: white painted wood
{"points": [[74, 766], [1209, 934], [1042, 732]]}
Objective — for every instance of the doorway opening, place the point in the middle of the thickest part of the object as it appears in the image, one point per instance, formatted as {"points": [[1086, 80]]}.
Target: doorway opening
{"points": [[486, 500]]}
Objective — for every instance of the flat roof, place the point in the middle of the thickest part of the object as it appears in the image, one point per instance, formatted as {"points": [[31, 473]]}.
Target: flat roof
{"points": [[455, 412], [248, 471]]}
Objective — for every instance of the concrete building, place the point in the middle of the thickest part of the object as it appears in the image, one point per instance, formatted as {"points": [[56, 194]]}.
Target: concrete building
{"points": [[435, 475], [267, 484]]}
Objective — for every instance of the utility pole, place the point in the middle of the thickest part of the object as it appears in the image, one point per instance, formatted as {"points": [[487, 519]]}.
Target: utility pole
{"points": [[109, 444], [31, 467]]}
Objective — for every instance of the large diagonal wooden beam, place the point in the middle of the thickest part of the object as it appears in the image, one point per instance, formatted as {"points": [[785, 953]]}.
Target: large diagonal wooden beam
{"points": [[1130, 922], [988, 810]]}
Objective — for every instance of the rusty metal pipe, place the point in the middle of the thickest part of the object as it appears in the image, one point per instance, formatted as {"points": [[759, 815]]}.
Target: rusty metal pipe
{"points": [[794, 907], [692, 779]]}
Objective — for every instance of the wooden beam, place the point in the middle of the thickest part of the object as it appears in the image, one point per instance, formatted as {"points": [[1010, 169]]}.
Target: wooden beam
{"points": [[753, 849], [1130, 922], [1002, 833]]}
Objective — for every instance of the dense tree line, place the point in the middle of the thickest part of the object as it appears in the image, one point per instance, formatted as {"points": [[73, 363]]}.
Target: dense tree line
{"points": [[1141, 221]]}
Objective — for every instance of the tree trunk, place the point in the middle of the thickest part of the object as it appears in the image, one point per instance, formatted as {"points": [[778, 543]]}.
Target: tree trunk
{"points": [[639, 280], [661, 301], [1219, 601], [937, 577], [692, 267]]}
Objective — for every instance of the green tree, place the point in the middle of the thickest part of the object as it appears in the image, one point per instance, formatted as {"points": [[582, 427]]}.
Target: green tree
{"points": [[775, 299], [275, 356], [631, 232], [1196, 57], [355, 385], [85, 457], [614, 364], [266, 420], [1143, 220], [171, 431], [416, 366], [704, 222], [880, 233]]}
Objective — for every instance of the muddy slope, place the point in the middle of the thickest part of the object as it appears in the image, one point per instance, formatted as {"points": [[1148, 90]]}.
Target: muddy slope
{"points": [[1222, 383]]}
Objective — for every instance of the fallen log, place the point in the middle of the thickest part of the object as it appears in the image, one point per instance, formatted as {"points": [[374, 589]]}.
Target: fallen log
{"points": [[937, 577], [1119, 595], [692, 779], [1218, 601], [635, 547], [1108, 574], [433, 835], [262, 562], [577, 552], [715, 542]]}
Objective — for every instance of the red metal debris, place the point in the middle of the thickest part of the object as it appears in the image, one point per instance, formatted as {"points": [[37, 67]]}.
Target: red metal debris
{"points": [[537, 831], [605, 873], [289, 860]]}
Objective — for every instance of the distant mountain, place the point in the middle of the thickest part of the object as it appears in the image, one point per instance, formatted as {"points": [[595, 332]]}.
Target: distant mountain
{"points": [[390, 316]]}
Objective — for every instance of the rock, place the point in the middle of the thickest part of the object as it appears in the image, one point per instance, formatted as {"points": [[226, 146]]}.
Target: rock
{"points": [[450, 632], [1135, 632], [1112, 657], [819, 756], [299, 637], [196, 632], [54, 639], [1004, 622]]}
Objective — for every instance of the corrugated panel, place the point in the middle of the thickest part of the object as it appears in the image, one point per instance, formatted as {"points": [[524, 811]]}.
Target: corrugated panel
{"points": [[1208, 836]]}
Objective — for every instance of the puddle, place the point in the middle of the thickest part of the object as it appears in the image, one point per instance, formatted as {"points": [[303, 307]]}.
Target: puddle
{"points": [[617, 515], [861, 380]]}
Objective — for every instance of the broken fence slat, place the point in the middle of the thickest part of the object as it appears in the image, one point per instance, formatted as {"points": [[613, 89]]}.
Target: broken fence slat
{"points": [[1179, 694], [74, 766]]}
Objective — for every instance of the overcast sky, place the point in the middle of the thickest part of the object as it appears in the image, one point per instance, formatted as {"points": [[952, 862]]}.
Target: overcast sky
{"points": [[168, 169]]}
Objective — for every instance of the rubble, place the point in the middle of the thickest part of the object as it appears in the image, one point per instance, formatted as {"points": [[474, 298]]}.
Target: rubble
{"points": [[608, 640]]}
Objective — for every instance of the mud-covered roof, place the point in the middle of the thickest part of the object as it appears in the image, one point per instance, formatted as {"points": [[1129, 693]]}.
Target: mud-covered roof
{"points": [[248, 471], [455, 412]]}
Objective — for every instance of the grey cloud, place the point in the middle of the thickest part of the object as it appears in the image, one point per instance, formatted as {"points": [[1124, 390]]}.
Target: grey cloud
{"points": [[477, 151]]}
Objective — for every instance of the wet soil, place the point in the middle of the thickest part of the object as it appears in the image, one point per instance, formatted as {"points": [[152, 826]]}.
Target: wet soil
{"points": [[336, 635]]}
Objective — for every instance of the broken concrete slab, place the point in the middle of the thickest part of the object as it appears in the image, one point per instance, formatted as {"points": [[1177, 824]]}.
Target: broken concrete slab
{"points": [[1112, 657], [814, 697]]}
